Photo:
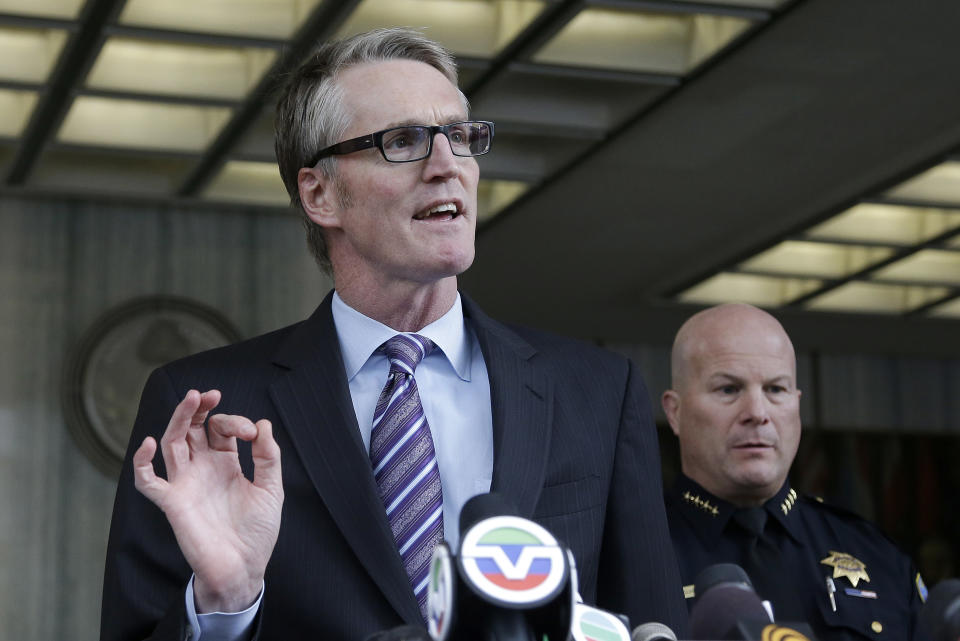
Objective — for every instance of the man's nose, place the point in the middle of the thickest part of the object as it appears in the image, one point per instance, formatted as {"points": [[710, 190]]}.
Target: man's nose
{"points": [[442, 161], [756, 407]]}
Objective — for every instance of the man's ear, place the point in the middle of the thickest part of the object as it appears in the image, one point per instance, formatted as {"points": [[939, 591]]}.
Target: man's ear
{"points": [[318, 197], [670, 401]]}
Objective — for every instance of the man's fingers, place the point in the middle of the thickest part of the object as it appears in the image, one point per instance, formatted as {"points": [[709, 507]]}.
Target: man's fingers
{"points": [[226, 428], [144, 477], [266, 459], [196, 432], [173, 443]]}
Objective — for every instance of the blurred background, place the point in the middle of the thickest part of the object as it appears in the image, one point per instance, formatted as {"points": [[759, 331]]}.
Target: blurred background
{"points": [[651, 158]]}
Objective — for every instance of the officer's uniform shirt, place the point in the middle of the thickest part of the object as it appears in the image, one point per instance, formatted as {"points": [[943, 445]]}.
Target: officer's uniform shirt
{"points": [[878, 593]]}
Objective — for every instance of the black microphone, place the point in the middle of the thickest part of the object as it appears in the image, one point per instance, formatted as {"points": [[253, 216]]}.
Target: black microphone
{"points": [[401, 633], [510, 581], [720, 573], [941, 613], [652, 631], [718, 612], [727, 607]]}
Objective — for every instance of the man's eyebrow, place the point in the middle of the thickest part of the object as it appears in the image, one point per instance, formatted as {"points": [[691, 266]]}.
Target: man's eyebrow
{"points": [[420, 123], [726, 376]]}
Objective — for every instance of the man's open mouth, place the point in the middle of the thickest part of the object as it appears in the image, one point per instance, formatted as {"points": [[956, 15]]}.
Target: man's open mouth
{"points": [[443, 211]]}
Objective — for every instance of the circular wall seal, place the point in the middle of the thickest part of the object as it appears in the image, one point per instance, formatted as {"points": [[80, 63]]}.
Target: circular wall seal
{"points": [[106, 374]]}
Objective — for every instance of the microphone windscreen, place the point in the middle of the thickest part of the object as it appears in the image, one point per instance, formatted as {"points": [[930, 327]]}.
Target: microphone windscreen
{"points": [[652, 631], [401, 633], [720, 573], [941, 613], [484, 506], [719, 610]]}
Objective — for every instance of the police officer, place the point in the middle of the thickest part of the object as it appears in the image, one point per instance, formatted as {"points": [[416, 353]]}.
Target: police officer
{"points": [[734, 407]]}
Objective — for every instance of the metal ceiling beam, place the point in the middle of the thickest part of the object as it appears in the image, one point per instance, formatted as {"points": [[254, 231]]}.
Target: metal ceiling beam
{"points": [[75, 60], [321, 24], [540, 30]]}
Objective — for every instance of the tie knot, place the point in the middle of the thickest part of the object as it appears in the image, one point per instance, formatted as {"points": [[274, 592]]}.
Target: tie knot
{"points": [[751, 519], [405, 351]]}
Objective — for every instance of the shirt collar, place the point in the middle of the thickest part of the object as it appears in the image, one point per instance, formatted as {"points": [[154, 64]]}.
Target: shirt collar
{"points": [[708, 515], [361, 335]]}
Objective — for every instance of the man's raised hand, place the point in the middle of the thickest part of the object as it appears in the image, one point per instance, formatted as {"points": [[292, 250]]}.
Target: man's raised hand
{"points": [[225, 525]]}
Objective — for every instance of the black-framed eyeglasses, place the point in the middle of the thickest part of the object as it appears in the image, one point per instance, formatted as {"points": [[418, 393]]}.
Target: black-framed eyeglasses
{"points": [[415, 142]]}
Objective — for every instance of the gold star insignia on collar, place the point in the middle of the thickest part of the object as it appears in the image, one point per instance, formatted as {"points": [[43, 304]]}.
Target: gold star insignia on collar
{"points": [[788, 502], [844, 565], [703, 504]]}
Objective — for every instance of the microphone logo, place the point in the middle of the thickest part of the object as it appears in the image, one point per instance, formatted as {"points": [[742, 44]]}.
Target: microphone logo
{"points": [[440, 592], [513, 561], [591, 624]]}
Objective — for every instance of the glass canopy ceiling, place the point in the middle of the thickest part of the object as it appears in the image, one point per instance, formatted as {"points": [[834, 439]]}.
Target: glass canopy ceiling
{"points": [[174, 99]]}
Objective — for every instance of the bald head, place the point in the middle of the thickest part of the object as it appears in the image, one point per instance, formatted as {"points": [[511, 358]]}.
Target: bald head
{"points": [[736, 327], [734, 403]]}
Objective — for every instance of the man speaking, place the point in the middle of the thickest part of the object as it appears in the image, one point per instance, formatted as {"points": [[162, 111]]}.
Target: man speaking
{"points": [[343, 447]]}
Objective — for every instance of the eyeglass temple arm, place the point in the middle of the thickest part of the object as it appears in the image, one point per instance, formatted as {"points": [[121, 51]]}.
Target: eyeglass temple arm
{"points": [[345, 147]]}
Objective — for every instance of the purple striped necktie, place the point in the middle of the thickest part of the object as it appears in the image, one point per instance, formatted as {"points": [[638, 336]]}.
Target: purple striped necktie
{"points": [[405, 464]]}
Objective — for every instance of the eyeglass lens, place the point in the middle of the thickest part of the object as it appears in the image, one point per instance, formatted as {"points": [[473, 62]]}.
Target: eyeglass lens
{"points": [[404, 144]]}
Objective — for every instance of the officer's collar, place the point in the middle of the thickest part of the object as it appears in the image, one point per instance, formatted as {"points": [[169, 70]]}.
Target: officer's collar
{"points": [[709, 514]]}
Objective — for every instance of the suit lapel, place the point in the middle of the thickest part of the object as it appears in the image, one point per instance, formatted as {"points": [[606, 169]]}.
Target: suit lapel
{"points": [[313, 399], [520, 395]]}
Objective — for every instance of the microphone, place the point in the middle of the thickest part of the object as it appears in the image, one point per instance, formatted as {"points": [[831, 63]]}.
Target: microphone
{"points": [[591, 624], [401, 633], [652, 631], [941, 614], [718, 612], [727, 607], [511, 581], [720, 573]]}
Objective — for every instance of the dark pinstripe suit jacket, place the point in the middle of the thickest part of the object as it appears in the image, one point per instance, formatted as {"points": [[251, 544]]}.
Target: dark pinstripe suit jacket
{"points": [[574, 448]]}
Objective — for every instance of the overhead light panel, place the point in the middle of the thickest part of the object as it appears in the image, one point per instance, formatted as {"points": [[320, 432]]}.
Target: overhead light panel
{"points": [[876, 297], [925, 266], [887, 224], [669, 43], [950, 309], [142, 66], [824, 260], [28, 55], [278, 19], [253, 182], [472, 28], [16, 107], [493, 196], [66, 9], [764, 291], [143, 125], [753, 4], [940, 184]]}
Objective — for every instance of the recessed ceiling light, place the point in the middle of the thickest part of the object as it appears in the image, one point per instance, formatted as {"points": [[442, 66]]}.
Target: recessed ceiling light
{"points": [[144, 125], [144, 66], [622, 39], [474, 28], [876, 297], [824, 260], [259, 18], [765, 291]]}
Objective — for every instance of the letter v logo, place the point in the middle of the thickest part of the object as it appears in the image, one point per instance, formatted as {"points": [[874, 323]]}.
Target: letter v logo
{"points": [[510, 560]]}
